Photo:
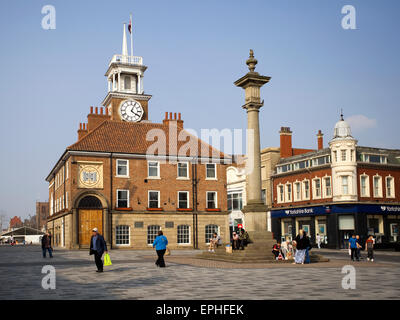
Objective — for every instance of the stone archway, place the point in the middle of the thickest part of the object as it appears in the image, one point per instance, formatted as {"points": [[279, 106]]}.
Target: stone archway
{"points": [[90, 211]]}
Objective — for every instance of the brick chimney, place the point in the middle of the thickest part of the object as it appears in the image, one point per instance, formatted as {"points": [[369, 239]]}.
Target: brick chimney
{"points": [[169, 119], [96, 118], [286, 142], [320, 138], [82, 131]]}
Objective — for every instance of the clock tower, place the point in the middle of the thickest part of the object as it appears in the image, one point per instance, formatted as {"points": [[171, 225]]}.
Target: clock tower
{"points": [[125, 100]]}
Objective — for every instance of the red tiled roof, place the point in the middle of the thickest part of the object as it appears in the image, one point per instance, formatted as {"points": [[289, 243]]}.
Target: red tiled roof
{"points": [[127, 137]]}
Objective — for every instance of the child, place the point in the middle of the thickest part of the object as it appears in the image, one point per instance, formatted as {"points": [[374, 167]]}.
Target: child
{"points": [[369, 247]]}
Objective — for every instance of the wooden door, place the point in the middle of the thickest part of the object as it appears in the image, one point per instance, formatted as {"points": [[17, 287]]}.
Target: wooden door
{"points": [[89, 219]]}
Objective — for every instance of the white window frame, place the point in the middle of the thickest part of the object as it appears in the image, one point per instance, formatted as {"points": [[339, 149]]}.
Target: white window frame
{"points": [[342, 185], [190, 235], [215, 201], [380, 195], [127, 168], [391, 187], [67, 170], [218, 231], [66, 200], [147, 233], [158, 170], [343, 152], [148, 198], [324, 187], [367, 191], [187, 170], [303, 189], [129, 236], [288, 196], [278, 193], [215, 170], [116, 198], [295, 185], [314, 188], [188, 200]]}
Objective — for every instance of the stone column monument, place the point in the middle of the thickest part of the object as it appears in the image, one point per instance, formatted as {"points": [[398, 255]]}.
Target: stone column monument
{"points": [[255, 211]]}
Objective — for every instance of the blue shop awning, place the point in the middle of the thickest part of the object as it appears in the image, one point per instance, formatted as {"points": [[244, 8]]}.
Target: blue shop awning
{"points": [[338, 209]]}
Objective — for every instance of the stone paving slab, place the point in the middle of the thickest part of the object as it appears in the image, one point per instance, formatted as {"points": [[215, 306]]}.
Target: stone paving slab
{"points": [[133, 275]]}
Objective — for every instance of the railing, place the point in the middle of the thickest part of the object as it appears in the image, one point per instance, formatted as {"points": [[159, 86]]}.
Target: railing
{"points": [[119, 58]]}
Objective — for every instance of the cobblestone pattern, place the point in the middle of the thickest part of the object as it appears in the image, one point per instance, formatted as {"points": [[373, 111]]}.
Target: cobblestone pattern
{"points": [[133, 275]]}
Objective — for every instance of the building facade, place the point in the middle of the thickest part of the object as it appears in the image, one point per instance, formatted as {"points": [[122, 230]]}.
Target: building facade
{"points": [[130, 177], [42, 212], [337, 191]]}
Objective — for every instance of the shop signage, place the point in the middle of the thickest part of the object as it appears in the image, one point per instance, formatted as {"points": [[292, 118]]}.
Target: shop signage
{"points": [[339, 209]]}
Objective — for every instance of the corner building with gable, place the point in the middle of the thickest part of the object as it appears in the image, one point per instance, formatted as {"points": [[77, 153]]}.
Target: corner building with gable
{"points": [[108, 180], [338, 191]]}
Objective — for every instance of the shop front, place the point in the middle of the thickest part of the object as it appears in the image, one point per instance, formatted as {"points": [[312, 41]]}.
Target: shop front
{"points": [[335, 224]]}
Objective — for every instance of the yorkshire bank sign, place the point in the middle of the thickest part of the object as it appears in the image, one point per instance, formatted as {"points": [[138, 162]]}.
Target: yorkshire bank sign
{"points": [[299, 211], [390, 209]]}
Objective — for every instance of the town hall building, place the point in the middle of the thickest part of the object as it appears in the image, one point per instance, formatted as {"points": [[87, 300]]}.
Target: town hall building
{"points": [[130, 177]]}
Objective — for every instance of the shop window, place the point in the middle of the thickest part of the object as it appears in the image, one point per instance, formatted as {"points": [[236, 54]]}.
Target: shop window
{"points": [[373, 226]]}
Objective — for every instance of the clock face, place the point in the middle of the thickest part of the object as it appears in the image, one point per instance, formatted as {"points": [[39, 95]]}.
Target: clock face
{"points": [[131, 111]]}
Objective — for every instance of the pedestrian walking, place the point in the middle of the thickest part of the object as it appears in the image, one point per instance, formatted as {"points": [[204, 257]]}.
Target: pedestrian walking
{"points": [[302, 243], [308, 249], [359, 247], [369, 247], [318, 241], [98, 246], [46, 245], [353, 248], [160, 243]]}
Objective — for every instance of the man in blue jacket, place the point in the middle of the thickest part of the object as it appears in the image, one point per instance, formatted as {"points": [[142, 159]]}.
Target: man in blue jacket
{"points": [[97, 247], [160, 243]]}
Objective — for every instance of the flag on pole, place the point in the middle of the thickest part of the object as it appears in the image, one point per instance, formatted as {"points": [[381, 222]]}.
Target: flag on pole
{"points": [[130, 25]]}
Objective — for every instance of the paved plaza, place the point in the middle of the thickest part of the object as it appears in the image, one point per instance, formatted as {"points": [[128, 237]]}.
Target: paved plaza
{"points": [[134, 275]]}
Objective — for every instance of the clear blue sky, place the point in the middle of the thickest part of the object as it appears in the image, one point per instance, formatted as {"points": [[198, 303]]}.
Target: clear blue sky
{"points": [[195, 50]]}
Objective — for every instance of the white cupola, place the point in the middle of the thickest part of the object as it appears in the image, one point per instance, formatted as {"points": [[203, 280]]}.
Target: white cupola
{"points": [[344, 162]]}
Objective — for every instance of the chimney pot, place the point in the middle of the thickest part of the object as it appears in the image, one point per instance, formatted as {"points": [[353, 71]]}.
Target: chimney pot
{"points": [[175, 116], [170, 116], [166, 115], [97, 110], [320, 140], [91, 109], [179, 116], [101, 110]]}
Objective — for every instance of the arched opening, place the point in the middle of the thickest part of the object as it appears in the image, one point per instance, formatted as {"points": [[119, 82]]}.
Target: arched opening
{"points": [[90, 216], [90, 202]]}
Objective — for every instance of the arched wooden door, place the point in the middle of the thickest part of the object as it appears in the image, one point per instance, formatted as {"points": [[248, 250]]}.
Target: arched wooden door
{"points": [[90, 216]]}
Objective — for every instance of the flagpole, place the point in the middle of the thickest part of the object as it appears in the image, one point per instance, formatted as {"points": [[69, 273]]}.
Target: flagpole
{"points": [[131, 34]]}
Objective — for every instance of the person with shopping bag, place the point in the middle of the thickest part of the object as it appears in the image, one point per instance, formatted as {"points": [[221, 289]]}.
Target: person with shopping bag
{"points": [[98, 246], [160, 243]]}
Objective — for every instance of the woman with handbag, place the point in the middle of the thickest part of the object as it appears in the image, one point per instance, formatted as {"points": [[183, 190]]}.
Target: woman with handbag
{"points": [[160, 243]]}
